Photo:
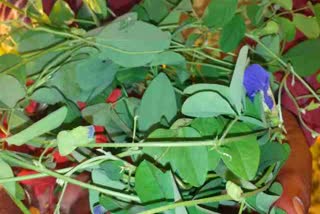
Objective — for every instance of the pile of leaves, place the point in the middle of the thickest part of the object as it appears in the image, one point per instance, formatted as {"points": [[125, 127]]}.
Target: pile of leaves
{"points": [[167, 110]]}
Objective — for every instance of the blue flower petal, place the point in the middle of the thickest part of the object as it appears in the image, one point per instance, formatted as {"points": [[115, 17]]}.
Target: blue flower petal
{"points": [[99, 209], [268, 100], [91, 131], [256, 79]]}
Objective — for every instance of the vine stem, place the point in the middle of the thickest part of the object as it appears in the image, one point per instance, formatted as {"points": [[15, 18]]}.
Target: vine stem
{"points": [[191, 203], [205, 55], [210, 65], [176, 143], [266, 175], [30, 177], [242, 206], [298, 111], [48, 172]]}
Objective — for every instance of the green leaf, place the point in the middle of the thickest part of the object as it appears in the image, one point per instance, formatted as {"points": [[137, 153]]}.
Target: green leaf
{"points": [[213, 160], [316, 10], [49, 96], [36, 65], [113, 169], [234, 191], [18, 119], [103, 114], [185, 160], [276, 210], [32, 40], [132, 75], [119, 207], [80, 81], [132, 43], [286, 4], [307, 25], [273, 152], [236, 85], [158, 101], [61, 13], [209, 127], [94, 197], [254, 109], [206, 104], [68, 141], [263, 202], [218, 13], [101, 177], [287, 28], [232, 34], [305, 57], [273, 44], [93, 72], [212, 187], [157, 10], [255, 13], [152, 184], [242, 157], [15, 64], [168, 58], [221, 89], [174, 16], [48, 123], [11, 90], [6, 172], [73, 111], [312, 106]]}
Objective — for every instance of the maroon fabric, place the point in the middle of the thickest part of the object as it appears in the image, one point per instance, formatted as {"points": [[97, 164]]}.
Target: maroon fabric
{"points": [[121, 6], [311, 118]]}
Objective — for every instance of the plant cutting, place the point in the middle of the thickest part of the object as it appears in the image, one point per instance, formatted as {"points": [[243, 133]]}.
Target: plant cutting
{"points": [[158, 110]]}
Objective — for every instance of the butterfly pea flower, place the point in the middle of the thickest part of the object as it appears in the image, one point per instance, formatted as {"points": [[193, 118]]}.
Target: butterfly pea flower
{"points": [[99, 210], [256, 79]]}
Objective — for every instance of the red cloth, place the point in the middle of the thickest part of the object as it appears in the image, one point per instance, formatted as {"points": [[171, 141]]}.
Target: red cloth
{"points": [[311, 118]]}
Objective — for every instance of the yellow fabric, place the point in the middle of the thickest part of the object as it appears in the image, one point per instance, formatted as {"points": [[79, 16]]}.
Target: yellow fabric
{"points": [[315, 197]]}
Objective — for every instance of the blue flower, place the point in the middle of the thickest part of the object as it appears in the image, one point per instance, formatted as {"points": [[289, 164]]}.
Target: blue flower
{"points": [[99, 210], [256, 79]]}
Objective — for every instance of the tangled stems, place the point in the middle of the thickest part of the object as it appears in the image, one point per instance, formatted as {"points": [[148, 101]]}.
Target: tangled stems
{"points": [[7, 157], [299, 111], [191, 203], [288, 67], [285, 65]]}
